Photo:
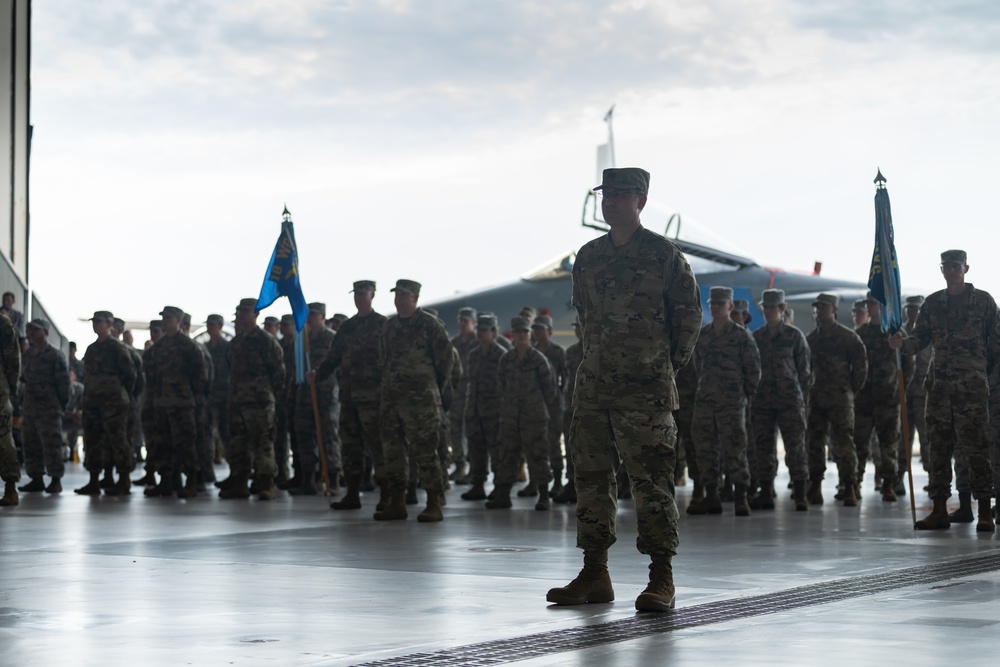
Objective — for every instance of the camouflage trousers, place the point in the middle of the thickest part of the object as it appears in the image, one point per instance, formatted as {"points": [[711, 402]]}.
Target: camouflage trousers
{"points": [[10, 471], [416, 426], [359, 433], [293, 440], [916, 407], [567, 424], [219, 409], [528, 438], [836, 420], [994, 437], [281, 438], [684, 416], [646, 442], [484, 444], [554, 438], [456, 430], [204, 442], [962, 417], [105, 438], [176, 431], [43, 444], [304, 423], [791, 421], [720, 440], [149, 434], [134, 429], [251, 440], [881, 418]]}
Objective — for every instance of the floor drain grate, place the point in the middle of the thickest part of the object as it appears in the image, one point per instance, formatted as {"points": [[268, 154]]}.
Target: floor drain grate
{"points": [[574, 639]]}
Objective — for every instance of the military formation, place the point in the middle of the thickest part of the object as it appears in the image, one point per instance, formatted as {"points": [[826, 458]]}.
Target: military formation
{"points": [[652, 388]]}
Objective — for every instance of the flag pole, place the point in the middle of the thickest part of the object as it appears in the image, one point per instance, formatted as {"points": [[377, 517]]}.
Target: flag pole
{"points": [[318, 421], [905, 434]]}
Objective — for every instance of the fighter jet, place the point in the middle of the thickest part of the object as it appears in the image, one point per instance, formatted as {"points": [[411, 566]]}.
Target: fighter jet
{"points": [[549, 288]]}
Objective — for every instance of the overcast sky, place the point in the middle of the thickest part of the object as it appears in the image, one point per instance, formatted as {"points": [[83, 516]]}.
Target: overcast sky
{"points": [[453, 142]]}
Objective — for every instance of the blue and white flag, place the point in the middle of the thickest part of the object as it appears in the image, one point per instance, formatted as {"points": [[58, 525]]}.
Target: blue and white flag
{"points": [[883, 279], [282, 279]]}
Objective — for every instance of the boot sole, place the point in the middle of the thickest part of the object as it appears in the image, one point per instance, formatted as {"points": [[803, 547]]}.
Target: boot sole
{"points": [[649, 603], [566, 601]]}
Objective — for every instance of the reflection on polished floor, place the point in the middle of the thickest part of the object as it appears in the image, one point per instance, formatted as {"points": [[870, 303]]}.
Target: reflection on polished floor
{"points": [[209, 582]]}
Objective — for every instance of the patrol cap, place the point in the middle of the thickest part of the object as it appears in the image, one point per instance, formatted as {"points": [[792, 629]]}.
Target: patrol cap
{"points": [[861, 305], [954, 257], [404, 285], [215, 319], [155, 325], [103, 316], [171, 311], [340, 316], [772, 297], [467, 313], [486, 322], [119, 323], [39, 323], [829, 299], [916, 301], [625, 178], [542, 322], [287, 319], [364, 286], [519, 324], [431, 311], [317, 307], [720, 294], [271, 321], [741, 306], [528, 312], [186, 319]]}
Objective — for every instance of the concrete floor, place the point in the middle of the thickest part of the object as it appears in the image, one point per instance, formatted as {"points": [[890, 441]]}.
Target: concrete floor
{"points": [[107, 580]]}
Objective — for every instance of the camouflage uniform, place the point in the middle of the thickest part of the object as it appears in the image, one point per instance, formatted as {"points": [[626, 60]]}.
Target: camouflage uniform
{"points": [[110, 376], [574, 355], [728, 366], [257, 378], [780, 401], [356, 353], [417, 362], [180, 377], [528, 396], [286, 439], [218, 399], [839, 367], [965, 332], [640, 314], [876, 406], [73, 416], [10, 355], [456, 413], [46, 382], [133, 425], [482, 410], [556, 356], [204, 442], [304, 418], [147, 416], [916, 397]]}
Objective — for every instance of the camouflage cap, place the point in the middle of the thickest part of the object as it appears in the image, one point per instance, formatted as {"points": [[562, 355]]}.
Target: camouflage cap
{"points": [[248, 303], [954, 257], [625, 178], [215, 319], [829, 299], [118, 323], [155, 325], [186, 319], [103, 316], [287, 319], [171, 311], [404, 285], [741, 306], [317, 307], [364, 286], [542, 322], [720, 294], [861, 305], [271, 321], [431, 311], [772, 297], [486, 322], [916, 300], [528, 312], [39, 323], [520, 324], [467, 313], [340, 317]]}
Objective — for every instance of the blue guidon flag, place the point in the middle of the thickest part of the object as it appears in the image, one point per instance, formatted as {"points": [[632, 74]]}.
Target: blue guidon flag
{"points": [[883, 280], [282, 279]]}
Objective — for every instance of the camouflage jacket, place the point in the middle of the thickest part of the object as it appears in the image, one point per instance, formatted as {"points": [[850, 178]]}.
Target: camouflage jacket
{"points": [[10, 351], [687, 386], [221, 366], [179, 373], [483, 398], [147, 373], [965, 332], [921, 364], [257, 367], [208, 368], [556, 356], [356, 351], [110, 374], [574, 355], [76, 365], [839, 362], [784, 367], [75, 402], [139, 387], [728, 366], [455, 379], [417, 359], [882, 381], [464, 346], [320, 344], [527, 386], [640, 313], [46, 380]]}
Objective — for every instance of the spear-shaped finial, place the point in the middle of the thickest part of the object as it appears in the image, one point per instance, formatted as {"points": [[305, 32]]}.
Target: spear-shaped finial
{"points": [[880, 180], [285, 215]]}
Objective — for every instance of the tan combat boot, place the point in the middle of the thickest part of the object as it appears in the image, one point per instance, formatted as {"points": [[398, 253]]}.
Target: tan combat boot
{"points": [[938, 518], [593, 584], [122, 487], [235, 488], [383, 496], [500, 499], [432, 512], [268, 489], [740, 505], [712, 503], [477, 492], [93, 488], [815, 495], [660, 592], [851, 493], [889, 491], [190, 489], [799, 496], [162, 489], [543, 498], [10, 495], [55, 486], [351, 499], [964, 512], [985, 524], [395, 507], [764, 500]]}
